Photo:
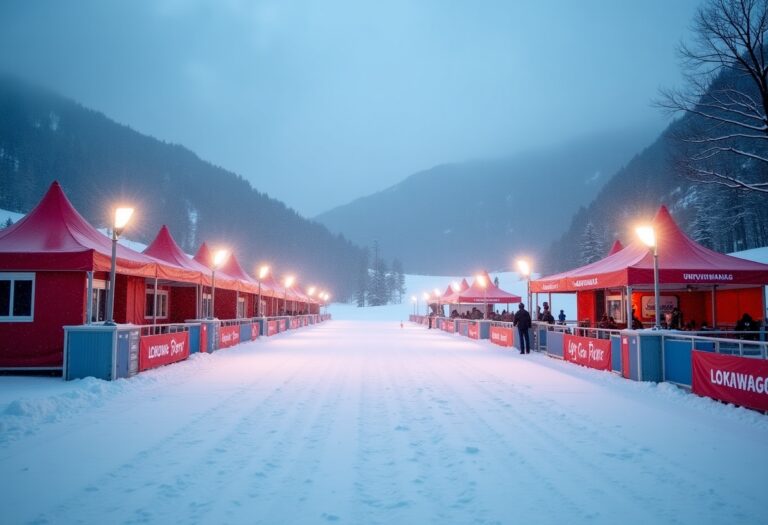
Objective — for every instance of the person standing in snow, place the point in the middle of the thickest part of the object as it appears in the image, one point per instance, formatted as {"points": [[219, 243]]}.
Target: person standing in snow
{"points": [[523, 323]]}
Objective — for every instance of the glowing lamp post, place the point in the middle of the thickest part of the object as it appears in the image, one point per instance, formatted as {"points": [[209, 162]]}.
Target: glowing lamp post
{"points": [[524, 267], [219, 258], [310, 292], [263, 272], [483, 282], [425, 295], [437, 298], [415, 301], [289, 280], [648, 237], [122, 216]]}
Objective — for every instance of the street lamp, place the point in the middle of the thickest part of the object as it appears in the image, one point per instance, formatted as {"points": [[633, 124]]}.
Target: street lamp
{"points": [[310, 292], [415, 301], [219, 258], [648, 237], [287, 284], [483, 282], [524, 267], [122, 216], [437, 298], [425, 295], [263, 272]]}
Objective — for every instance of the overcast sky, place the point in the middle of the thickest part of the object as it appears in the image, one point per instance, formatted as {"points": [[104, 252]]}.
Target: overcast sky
{"points": [[319, 102]]}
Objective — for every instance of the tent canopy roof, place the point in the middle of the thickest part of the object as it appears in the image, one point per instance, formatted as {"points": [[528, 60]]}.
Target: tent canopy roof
{"points": [[54, 236], [682, 261], [490, 294]]}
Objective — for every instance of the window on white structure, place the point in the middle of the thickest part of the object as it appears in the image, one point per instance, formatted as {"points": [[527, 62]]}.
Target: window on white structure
{"points": [[17, 296], [206, 306], [162, 304], [98, 301], [240, 307]]}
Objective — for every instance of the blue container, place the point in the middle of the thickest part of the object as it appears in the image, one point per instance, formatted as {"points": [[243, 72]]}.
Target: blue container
{"points": [[677, 362], [102, 351], [650, 357], [616, 353], [484, 329], [245, 332], [194, 338]]}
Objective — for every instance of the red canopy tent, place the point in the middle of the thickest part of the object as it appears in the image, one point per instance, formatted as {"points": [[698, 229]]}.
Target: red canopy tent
{"points": [[683, 265], [450, 292], [617, 247], [62, 264], [490, 293], [165, 248]]}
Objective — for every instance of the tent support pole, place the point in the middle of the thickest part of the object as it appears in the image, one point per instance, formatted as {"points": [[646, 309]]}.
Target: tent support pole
{"points": [[154, 307], [628, 298], [714, 306], [237, 303], [89, 300]]}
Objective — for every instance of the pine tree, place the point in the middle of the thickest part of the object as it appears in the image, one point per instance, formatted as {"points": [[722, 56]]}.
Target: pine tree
{"points": [[397, 270], [8, 223], [591, 245], [363, 280], [496, 281]]}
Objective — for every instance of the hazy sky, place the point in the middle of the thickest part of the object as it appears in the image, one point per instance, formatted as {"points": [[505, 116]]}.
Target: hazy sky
{"points": [[319, 102]]}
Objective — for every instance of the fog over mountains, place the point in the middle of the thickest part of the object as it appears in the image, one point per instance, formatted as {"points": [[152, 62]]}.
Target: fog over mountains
{"points": [[459, 218]]}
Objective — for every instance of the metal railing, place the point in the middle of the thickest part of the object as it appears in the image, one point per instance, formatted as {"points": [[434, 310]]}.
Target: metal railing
{"points": [[720, 345], [168, 328]]}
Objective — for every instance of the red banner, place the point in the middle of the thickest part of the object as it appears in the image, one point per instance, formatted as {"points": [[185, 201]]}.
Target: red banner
{"points": [[588, 351], [473, 332], [738, 380], [203, 337], [294, 323], [283, 325], [448, 326], [501, 336], [229, 336], [163, 349], [255, 327], [271, 328]]}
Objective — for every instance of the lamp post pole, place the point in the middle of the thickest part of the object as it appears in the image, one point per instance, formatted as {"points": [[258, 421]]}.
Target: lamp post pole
{"points": [[656, 297], [112, 272], [213, 293]]}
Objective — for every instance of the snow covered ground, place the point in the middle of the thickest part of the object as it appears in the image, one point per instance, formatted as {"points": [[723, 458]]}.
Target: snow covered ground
{"points": [[366, 422]]}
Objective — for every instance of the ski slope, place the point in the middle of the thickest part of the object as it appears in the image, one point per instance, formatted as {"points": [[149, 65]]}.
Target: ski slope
{"points": [[365, 422]]}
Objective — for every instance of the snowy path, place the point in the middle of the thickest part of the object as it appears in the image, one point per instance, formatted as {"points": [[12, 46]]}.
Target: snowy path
{"points": [[363, 422]]}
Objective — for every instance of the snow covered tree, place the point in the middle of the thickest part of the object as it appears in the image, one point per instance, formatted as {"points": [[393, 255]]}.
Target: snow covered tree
{"points": [[591, 245], [726, 140], [399, 278], [8, 222], [363, 280]]}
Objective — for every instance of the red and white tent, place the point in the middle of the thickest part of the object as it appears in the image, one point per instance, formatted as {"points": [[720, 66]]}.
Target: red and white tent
{"points": [[479, 294], [682, 261]]}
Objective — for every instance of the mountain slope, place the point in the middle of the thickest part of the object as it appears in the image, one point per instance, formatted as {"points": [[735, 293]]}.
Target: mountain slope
{"points": [[457, 218], [44, 137]]}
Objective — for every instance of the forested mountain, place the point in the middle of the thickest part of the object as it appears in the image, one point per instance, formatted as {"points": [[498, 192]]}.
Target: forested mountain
{"points": [[458, 218], [718, 217], [44, 137]]}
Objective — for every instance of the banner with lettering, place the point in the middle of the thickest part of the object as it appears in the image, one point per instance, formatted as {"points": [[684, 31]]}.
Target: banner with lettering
{"points": [[473, 332], [588, 351], [501, 336], [739, 380], [229, 336], [255, 327], [162, 349], [448, 326], [271, 328]]}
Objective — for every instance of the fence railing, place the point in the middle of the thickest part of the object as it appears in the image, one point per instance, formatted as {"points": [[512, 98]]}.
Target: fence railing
{"points": [[168, 328]]}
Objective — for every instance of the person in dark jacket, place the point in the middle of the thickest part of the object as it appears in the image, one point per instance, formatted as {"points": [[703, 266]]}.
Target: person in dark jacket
{"points": [[561, 317], [676, 321], [747, 324], [523, 323]]}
